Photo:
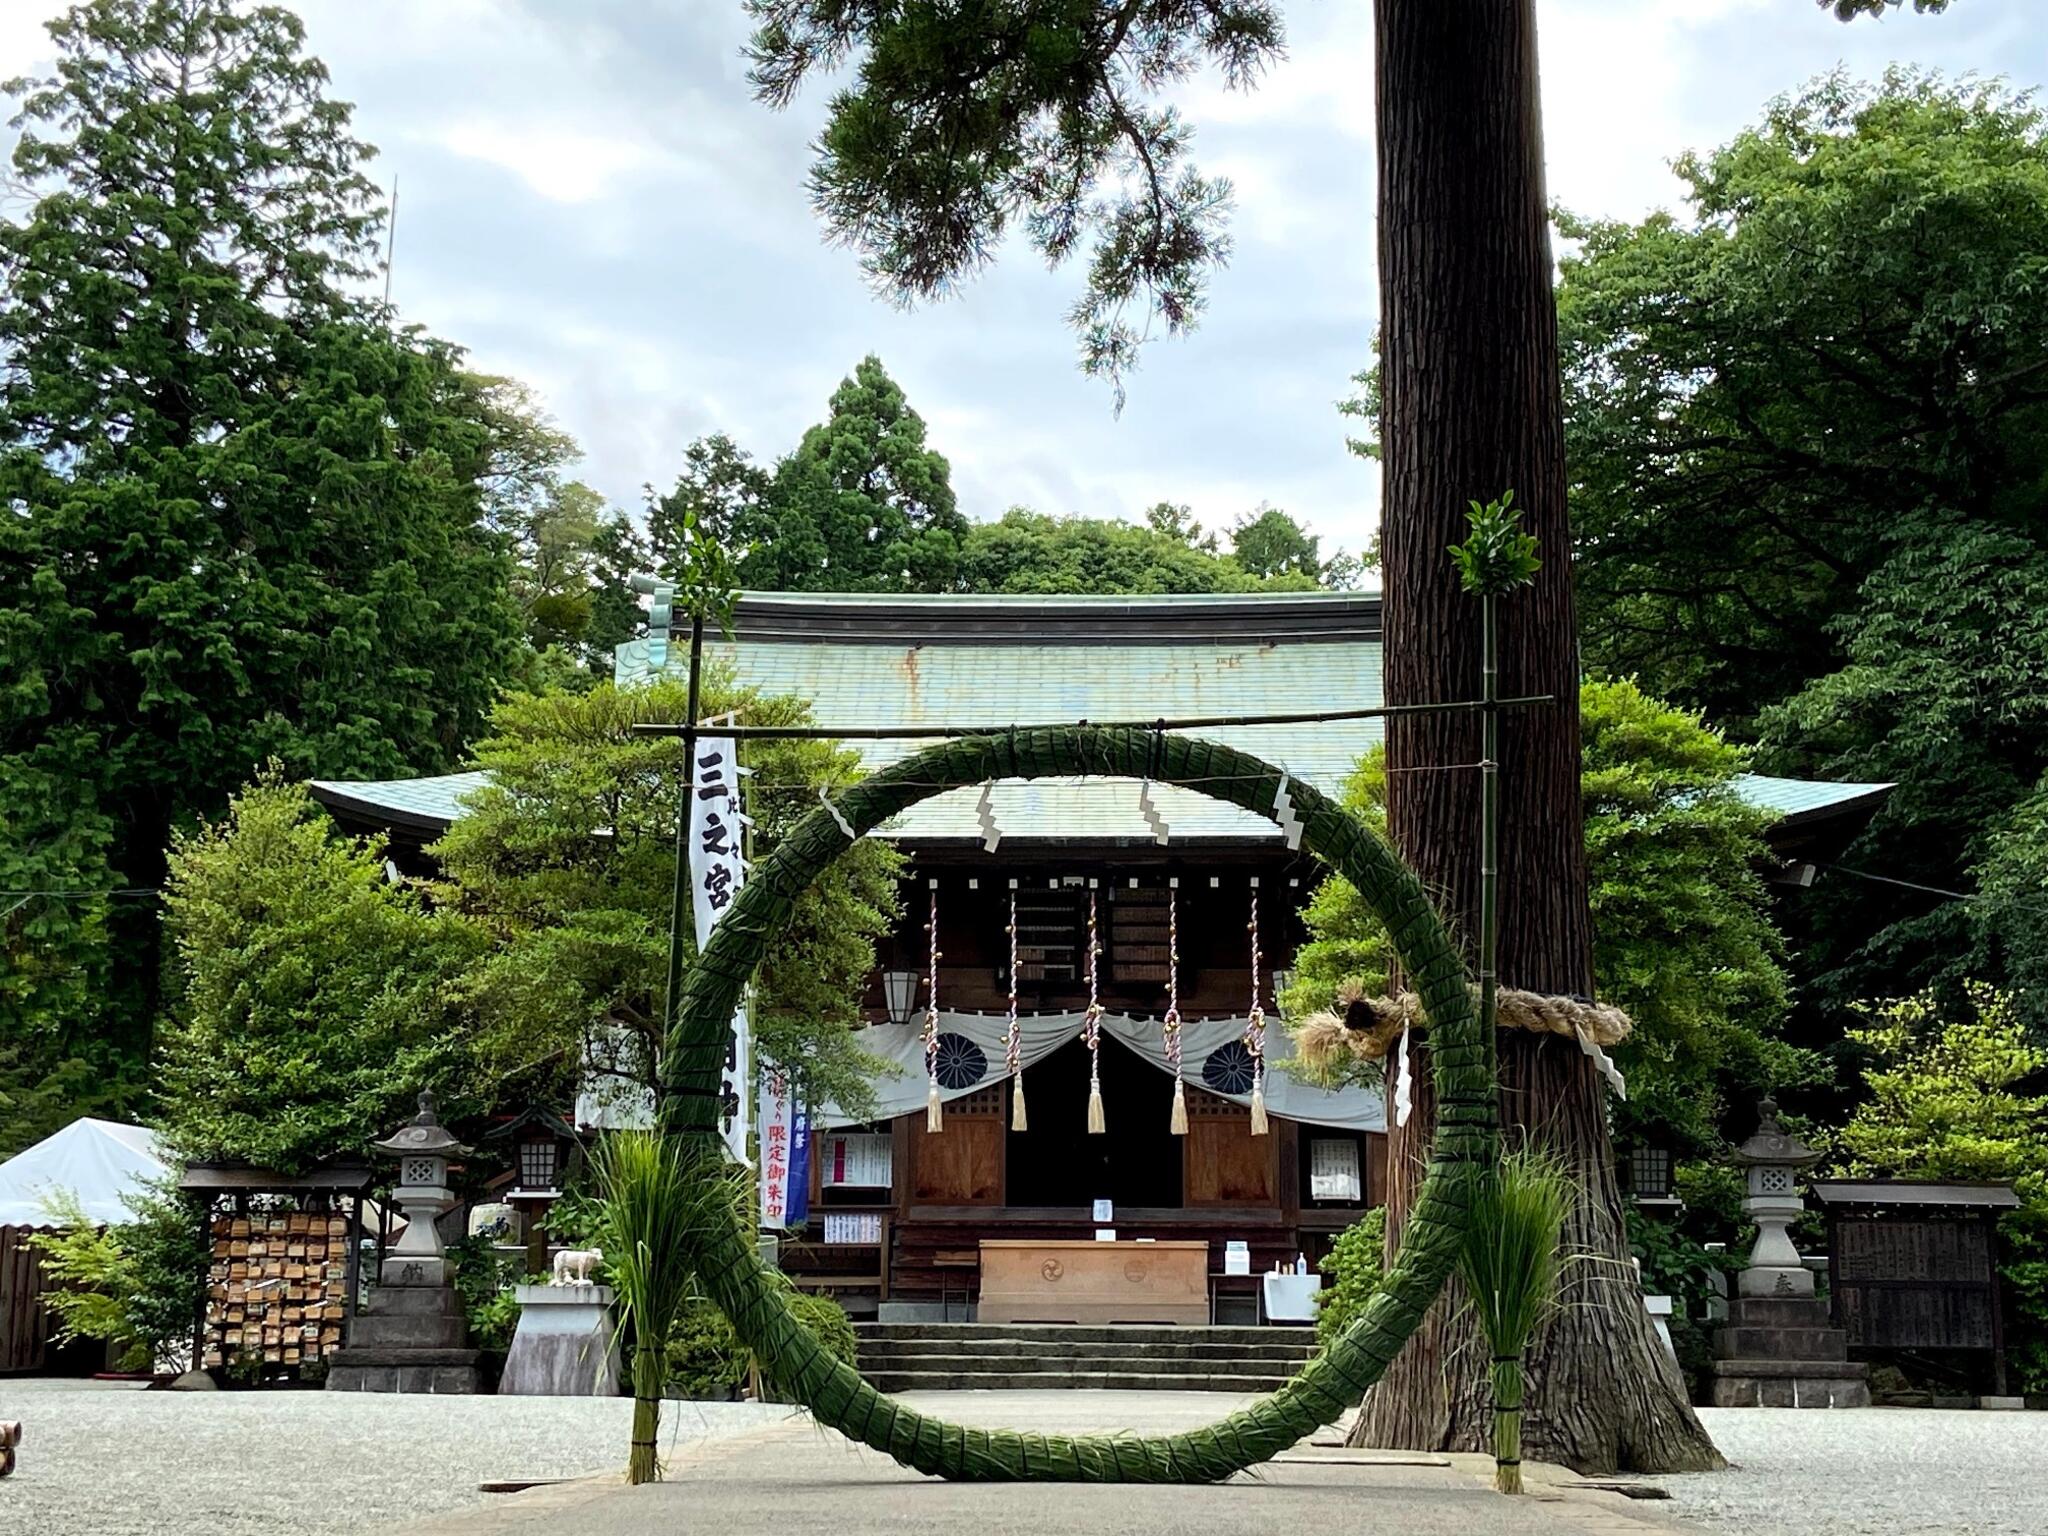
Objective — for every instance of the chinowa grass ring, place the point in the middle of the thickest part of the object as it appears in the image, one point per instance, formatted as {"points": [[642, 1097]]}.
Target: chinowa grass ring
{"points": [[1463, 1150]]}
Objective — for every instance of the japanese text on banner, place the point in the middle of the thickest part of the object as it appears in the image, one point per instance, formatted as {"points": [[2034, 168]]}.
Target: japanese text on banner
{"points": [[785, 1155], [717, 870]]}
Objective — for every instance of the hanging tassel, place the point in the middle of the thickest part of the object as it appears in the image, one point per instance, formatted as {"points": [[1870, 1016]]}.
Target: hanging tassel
{"points": [[1096, 1124], [934, 1113], [1179, 1123], [1259, 1105], [1018, 1120]]}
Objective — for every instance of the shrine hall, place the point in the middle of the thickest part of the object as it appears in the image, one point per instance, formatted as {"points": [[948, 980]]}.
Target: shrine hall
{"points": [[1143, 900]]}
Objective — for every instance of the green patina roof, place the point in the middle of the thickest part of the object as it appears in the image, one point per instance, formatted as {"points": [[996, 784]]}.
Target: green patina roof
{"points": [[877, 661], [1056, 675]]}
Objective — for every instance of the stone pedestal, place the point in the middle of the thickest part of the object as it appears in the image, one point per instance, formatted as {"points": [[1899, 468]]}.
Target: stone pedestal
{"points": [[1780, 1352], [411, 1337], [564, 1346]]}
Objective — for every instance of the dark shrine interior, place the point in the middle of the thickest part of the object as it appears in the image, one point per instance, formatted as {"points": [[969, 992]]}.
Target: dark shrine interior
{"points": [[1136, 1164]]}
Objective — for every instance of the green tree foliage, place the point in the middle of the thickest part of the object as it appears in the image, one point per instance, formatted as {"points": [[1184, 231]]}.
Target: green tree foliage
{"points": [[1949, 1099], [619, 552], [862, 505], [1352, 1271], [1809, 444], [1682, 932], [135, 1285], [566, 859], [1267, 542], [2011, 910], [1177, 521], [1026, 551], [723, 489], [315, 997], [957, 125], [247, 517]]}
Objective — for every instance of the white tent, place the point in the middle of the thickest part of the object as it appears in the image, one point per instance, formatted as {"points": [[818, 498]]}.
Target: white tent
{"points": [[100, 1161]]}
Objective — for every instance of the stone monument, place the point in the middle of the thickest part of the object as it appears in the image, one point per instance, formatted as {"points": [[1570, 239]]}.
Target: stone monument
{"points": [[411, 1336], [1777, 1349], [564, 1346]]}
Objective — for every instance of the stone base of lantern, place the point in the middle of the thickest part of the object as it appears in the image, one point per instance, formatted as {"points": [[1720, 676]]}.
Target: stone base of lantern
{"points": [[1780, 1352], [411, 1337]]}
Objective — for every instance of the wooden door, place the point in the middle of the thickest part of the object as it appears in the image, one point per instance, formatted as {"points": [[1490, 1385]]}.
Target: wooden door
{"points": [[1226, 1164], [963, 1163]]}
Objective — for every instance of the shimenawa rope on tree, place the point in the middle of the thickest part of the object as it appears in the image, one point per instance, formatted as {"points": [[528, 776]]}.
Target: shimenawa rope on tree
{"points": [[1463, 1150]]}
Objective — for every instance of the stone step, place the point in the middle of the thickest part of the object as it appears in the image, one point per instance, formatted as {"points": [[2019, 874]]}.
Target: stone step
{"points": [[1172, 1349], [435, 1380], [1077, 1362], [381, 1330], [1789, 1384], [1817, 1344], [1778, 1312], [383, 1354], [414, 1301], [1091, 1333], [1060, 1381]]}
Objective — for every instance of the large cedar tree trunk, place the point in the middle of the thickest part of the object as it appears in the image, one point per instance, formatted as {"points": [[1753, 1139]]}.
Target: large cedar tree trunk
{"points": [[1471, 409]]}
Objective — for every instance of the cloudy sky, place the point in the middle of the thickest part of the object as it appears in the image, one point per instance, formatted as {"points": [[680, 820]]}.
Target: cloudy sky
{"points": [[591, 200]]}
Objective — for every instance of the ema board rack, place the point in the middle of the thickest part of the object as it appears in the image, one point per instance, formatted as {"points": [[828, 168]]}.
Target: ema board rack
{"points": [[276, 1292]]}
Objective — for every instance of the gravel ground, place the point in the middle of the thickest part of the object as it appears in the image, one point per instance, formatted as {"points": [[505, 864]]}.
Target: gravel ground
{"points": [[1870, 1472], [99, 1460]]}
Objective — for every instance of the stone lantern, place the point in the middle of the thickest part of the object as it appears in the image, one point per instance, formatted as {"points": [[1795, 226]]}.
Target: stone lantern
{"points": [[411, 1335], [423, 1148], [1774, 1160], [1777, 1349]]}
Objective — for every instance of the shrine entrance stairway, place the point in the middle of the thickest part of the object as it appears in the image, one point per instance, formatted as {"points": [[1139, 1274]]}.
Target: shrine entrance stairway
{"points": [[1008, 1357]]}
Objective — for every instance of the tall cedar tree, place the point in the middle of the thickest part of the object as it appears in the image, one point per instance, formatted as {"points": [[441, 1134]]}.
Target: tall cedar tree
{"points": [[957, 121], [862, 505], [1809, 437], [245, 514]]}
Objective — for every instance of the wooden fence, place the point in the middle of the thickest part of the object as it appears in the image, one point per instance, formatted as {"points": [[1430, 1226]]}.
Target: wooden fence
{"points": [[24, 1321]]}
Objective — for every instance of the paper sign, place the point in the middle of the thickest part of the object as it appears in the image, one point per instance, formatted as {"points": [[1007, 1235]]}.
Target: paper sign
{"points": [[1105, 1234], [854, 1227], [858, 1160], [1104, 1211], [1333, 1170]]}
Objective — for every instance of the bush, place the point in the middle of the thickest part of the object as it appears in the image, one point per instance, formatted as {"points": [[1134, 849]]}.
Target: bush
{"points": [[1353, 1268], [706, 1359], [704, 1355], [135, 1285], [484, 1279]]}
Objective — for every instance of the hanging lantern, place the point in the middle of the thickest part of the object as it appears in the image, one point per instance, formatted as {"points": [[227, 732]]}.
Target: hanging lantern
{"points": [[1178, 1121], [1255, 1027], [1091, 1027], [934, 1116]]}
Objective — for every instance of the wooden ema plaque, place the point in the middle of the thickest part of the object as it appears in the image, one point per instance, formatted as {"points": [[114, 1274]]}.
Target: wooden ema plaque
{"points": [[1071, 1282], [275, 1289]]}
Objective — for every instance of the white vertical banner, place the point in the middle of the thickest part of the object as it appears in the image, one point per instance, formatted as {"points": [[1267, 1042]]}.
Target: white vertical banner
{"points": [[717, 870], [777, 1124]]}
